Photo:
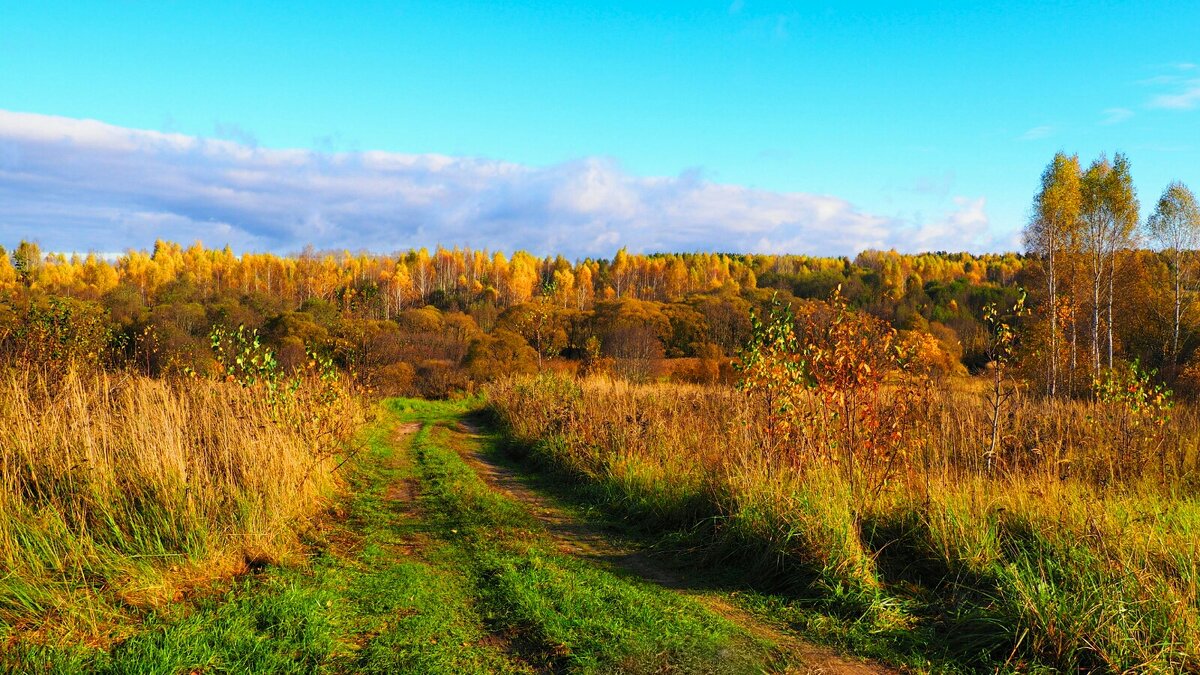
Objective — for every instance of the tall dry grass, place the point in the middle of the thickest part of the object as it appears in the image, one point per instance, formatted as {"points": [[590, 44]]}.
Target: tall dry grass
{"points": [[1080, 549], [118, 491]]}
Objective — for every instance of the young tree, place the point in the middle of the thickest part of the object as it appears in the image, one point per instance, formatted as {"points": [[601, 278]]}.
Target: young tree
{"points": [[1110, 217], [1175, 228], [27, 261], [1056, 210], [1123, 203], [8, 273], [1002, 354]]}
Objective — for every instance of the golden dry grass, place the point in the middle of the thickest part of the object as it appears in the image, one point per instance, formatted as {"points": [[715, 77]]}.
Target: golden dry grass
{"points": [[1082, 549], [122, 492]]}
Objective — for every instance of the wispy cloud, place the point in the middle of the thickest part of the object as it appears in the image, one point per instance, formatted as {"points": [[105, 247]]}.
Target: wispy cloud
{"points": [[1116, 115], [1186, 95], [81, 184], [1182, 88], [235, 132], [1036, 133]]}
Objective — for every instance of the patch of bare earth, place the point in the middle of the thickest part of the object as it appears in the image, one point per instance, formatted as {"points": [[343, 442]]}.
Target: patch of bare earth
{"points": [[405, 490], [402, 494], [575, 538]]}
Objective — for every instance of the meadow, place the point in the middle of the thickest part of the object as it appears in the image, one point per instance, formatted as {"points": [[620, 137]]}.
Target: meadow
{"points": [[545, 338], [1045, 561]]}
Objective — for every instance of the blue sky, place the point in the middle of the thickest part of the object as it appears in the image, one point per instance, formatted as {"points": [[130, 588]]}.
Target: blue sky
{"points": [[809, 127]]}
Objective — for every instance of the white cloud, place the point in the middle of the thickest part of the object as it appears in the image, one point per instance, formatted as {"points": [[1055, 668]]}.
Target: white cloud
{"points": [[1036, 133], [81, 184], [967, 222], [1116, 115], [1185, 97], [1180, 90]]}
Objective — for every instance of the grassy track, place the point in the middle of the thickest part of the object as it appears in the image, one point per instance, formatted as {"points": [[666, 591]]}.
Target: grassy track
{"points": [[425, 568], [555, 611]]}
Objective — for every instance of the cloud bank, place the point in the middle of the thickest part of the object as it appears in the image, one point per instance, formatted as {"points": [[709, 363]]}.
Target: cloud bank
{"points": [[77, 185]]}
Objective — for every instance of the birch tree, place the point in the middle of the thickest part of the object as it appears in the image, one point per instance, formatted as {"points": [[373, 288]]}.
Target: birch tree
{"points": [[1175, 229], [1055, 217], [1097, 224], [1110, 216], [1123, 204]]}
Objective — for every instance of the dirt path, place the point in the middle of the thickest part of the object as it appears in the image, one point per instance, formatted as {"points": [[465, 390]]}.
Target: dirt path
{"points": [[401, 495], [576, 538], [405, 490]]}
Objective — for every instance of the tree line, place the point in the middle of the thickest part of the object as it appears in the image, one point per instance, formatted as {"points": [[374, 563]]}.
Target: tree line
{"points": [[422, 322]]}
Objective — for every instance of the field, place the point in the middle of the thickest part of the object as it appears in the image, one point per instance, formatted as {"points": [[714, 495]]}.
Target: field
{"points": [[1041, 563], [605, 526], [591, 337], [419, 566]]}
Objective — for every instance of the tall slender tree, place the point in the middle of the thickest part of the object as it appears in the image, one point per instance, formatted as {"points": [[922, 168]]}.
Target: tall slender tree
{"points": [[1055, 216], [1123, 204], [1097, 224], [1110, 217], [1175, 229]]}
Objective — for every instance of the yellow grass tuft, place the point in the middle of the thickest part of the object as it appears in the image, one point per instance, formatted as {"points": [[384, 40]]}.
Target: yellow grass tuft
{"points": [[129, 490]]}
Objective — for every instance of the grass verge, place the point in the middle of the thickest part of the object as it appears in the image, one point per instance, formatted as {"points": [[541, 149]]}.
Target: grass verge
{"points": [[972, 574]]}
